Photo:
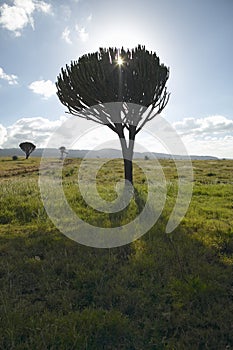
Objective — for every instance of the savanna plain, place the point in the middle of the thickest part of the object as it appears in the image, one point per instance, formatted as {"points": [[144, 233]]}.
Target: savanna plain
{"points": [[163, 291]]}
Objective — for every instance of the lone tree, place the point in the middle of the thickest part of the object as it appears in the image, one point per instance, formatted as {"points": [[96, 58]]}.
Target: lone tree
{"points": [[130, 77], [63, 151], [27, 148]]}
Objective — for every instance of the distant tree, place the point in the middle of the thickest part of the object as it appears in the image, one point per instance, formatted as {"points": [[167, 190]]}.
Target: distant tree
{"points": [[14, 157], [63, 151], [114, 75], [146, 157], [27, 148]]}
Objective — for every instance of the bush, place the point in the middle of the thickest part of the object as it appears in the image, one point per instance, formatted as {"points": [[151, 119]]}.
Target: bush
{"points": [[14, 157]]}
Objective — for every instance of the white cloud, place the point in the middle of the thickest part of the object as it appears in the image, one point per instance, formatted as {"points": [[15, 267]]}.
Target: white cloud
{"points": [[16, 17], [45, 88], [10, 78], [43, 6], [89, 18], [37, 130], [207, 136], [66, 35], [211, 125], [81, 30], [3, 133], [82, 33], [217, 147]]}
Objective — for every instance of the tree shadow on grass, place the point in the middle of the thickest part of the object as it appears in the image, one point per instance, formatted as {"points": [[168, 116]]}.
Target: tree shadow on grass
{"points": [[160, 292]]}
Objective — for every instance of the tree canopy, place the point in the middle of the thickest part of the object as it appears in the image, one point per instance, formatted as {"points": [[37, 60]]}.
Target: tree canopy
{"points": [[27, 148], [98, 78]]}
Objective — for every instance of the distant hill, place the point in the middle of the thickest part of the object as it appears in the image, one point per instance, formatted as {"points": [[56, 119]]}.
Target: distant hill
{"points": [[102, 153]]}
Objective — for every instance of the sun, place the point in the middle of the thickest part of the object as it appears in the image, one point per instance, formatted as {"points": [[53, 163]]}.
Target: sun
{"points": [[120, 61]]}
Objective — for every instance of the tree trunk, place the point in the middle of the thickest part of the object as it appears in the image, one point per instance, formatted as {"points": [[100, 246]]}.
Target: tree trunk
{"points": [[128, 167], [127, 153], [27, 155]]}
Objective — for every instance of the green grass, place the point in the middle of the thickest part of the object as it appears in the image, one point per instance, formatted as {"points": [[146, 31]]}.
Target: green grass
{"points": [[163, 291]]}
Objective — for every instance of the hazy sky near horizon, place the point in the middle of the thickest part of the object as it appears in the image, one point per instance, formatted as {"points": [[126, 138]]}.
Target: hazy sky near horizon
{"points": [[193, 38]]}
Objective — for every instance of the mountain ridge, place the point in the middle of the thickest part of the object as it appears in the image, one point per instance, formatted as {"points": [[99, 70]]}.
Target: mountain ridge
{"points": [[102, 153]]}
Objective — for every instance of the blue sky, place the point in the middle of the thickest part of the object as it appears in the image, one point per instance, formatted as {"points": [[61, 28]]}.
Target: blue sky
{"points": [[193, 38]]}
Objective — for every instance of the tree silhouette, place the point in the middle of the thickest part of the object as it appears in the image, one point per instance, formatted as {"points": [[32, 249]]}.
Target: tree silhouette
{"points": [[132, 78], [63, 151], [27, 148]]}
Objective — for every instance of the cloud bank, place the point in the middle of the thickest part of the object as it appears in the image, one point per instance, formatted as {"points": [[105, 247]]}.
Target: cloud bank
{"points": [[37, 130], [3, 134], [211, 136], [207, 127]]}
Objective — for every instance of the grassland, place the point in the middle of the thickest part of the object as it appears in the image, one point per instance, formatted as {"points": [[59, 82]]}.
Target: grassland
{"points": [[163, 291]]}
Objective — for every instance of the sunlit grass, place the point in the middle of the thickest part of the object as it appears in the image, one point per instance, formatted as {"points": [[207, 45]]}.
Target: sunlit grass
{"points": [[160, 292]]}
